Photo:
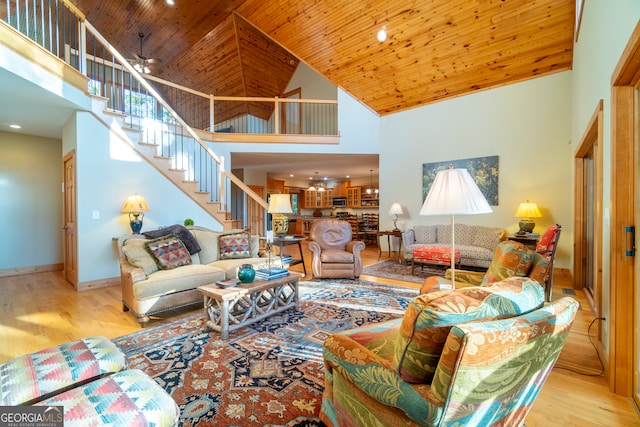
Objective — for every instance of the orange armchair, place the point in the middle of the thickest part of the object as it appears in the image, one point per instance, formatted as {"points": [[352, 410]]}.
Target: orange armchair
{"points": [[335, 255]]}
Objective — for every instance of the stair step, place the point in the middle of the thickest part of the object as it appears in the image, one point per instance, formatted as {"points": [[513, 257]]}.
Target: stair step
{"points": [[112, 112]]}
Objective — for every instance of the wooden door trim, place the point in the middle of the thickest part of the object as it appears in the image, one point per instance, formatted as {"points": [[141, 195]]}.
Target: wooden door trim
{"points": [[624, 202], [74, 279], [591, 142]]}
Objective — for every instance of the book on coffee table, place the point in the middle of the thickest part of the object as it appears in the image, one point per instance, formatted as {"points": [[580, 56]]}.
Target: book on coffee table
{"points": [[270, 274], [227, 283]]}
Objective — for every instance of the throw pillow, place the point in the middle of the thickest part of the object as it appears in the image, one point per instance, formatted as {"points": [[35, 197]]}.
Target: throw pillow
{"points": [[181, 232], [137, 255], [169, 252], [487, 237], [234, 246], [509, 259], [429, 318]]}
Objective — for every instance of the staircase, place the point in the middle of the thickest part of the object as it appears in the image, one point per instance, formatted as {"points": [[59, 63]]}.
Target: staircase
{"points": [[183, 178], [147, 122]]}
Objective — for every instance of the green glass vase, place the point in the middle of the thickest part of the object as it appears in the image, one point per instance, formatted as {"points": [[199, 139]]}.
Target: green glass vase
{"points": [[246, 273]]}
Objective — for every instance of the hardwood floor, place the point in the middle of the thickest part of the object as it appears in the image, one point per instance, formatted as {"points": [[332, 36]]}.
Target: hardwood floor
{"points": [[41, 310]]}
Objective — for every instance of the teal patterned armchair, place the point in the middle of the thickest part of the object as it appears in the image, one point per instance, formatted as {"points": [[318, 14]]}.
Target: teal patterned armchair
{"points": [[470, 357]]}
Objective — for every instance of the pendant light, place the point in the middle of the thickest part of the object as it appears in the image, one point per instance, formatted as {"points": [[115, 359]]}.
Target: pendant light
{"points": [[315, 185], [371, 190]]}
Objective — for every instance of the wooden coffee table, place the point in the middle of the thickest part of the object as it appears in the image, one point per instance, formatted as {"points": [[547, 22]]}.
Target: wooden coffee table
{"points": [[232, 308]]}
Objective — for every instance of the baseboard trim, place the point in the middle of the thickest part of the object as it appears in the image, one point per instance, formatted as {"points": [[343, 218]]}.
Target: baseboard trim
{"points": [[30, 270]]}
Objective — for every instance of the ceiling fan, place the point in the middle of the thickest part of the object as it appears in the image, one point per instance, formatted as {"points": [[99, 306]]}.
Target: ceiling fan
{"points": [[141, 62]]}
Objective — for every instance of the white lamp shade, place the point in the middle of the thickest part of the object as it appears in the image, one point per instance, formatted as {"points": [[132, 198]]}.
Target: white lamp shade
{"points": [[454, 192], [395, 209], [279, 203]]}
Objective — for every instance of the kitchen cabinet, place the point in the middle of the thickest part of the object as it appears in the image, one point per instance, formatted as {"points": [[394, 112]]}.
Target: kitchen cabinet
{"points": [[275, 186], [326, 199], [353, 197], [340, 188], [357, 197], [318, 199]]}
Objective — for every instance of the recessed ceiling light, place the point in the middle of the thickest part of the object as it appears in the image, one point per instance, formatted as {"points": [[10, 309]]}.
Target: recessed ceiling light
{"points": [[14, 126], [290, 175], [382, 35], [171, 2]]}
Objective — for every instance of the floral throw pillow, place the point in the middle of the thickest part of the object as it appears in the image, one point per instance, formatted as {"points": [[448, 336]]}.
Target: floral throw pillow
{"points": [[169, 252], [234, 246]]}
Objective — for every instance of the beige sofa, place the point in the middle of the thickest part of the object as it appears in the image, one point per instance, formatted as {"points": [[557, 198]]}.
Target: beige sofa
{"points": [[148, 289], [475, 242]]}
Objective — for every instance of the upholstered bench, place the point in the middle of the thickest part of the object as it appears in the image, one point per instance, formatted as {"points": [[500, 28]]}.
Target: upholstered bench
{"points": [[125, 399], [437, 255], [33, 377]]}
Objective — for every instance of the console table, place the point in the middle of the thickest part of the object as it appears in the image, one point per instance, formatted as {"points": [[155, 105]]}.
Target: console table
{"points": [[228, 309]]}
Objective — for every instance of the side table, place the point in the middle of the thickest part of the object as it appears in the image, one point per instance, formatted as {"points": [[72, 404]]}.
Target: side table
{"points": [[281, 242], [530, 242], [394, 233]]}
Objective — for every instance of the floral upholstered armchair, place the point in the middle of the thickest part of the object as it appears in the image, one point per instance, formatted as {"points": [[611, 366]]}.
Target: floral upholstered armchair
{"points": [[474, 356]]}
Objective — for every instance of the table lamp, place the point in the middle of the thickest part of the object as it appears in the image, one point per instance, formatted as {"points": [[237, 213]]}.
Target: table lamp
{"points": [[526, 211], [134, 206], [396, 210], [454, 192], [280, 204]]}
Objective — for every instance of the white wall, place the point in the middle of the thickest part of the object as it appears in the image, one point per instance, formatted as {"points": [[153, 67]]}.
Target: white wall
{"points": [[605, 30], [30, 201], [314, 86], [526, 124], [108, 171]]}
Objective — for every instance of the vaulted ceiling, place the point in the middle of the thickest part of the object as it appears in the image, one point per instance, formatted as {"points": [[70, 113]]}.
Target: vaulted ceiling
{"points": [[436, 49]]}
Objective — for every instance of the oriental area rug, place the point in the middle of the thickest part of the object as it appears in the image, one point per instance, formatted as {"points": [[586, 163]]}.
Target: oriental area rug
{"points": [[392, 269], [266, 374]]}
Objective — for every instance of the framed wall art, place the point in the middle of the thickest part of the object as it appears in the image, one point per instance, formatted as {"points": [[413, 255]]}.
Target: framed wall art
{"points": [[484, 170]]}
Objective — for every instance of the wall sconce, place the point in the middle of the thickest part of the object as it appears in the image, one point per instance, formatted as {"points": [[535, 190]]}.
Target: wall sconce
{"points": [[526, 211], [134, 206]]}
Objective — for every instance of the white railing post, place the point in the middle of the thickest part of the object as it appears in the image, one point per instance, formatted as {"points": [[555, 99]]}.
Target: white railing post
{"points": [[221, 185], [82, 49]]}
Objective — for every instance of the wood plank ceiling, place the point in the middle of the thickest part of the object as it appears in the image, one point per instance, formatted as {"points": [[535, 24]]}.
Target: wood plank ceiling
{"points": [[436, 49]]}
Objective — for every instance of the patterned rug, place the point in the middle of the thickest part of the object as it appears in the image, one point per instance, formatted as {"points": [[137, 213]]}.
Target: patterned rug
{"points": [[392, 269], [266, 374]]}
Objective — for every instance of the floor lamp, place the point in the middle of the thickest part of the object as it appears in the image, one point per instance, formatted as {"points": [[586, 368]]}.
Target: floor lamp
{"points": [[454, 192]]}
